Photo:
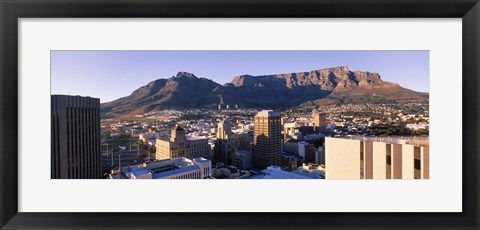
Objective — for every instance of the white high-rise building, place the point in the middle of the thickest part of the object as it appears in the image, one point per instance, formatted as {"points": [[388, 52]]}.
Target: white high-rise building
{"points": [[377, 158]]}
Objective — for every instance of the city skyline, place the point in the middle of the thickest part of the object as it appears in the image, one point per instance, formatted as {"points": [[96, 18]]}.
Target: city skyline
{"points": [[284, 115], [118, 73]]}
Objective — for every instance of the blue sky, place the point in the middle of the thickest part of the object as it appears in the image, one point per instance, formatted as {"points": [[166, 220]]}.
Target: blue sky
{"points": [[109, 75]]}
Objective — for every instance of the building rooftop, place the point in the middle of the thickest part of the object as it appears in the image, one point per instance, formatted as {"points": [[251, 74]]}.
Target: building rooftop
{"points": [[200, 159], [413, 140], [239, 131], [241, 152], [175, 171], [137, 170], [178, 128], [195, 138], [276, 173], [224, 122], [162, 163], [267, 113], [312, 174]]}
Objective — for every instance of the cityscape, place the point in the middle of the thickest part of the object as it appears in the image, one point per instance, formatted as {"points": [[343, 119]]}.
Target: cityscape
{"points": [[334, 123]]}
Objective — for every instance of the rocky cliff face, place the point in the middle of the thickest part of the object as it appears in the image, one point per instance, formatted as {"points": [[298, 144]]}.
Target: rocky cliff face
{"points": [[331, 79], [185, 90]]}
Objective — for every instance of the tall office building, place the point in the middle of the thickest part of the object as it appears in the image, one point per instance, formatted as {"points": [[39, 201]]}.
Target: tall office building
{"points": [[75, 133], [181, 145], [228, 141], [224, 130], [377, 158], [223, 147], [319, 121], [267, 139]]}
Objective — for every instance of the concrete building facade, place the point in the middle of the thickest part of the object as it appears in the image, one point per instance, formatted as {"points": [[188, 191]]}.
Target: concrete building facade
{"points": [[319, 121], [243, 159], [377, 158], [228, 141], [223, 147], [182, 145], [176, 168], [75, 137]]}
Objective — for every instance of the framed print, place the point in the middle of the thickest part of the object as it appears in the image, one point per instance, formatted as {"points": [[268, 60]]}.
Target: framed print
{"points": [[265, 114]]}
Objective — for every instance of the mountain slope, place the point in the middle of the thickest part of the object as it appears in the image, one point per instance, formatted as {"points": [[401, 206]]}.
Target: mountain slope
{"points": [[317, 87], [183, 90]]}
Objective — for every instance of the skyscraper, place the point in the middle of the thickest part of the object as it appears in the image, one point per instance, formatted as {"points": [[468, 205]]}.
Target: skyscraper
{"points": [[224, 130], [75, 133], [223, 147], [267, 139], [319, 121]]}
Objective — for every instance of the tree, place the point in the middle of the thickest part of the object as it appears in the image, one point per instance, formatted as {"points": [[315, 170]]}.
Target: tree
{"points": [[152, 149]]}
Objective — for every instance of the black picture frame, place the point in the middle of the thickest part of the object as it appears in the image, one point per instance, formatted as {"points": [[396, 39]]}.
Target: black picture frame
{"points": [[12, 10]]}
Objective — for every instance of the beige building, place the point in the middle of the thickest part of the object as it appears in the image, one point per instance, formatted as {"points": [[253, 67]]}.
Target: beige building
{"points": [[223, 147], [268, 141], [288, 129], [181, 145], [319, 121], [228, 141], [377, 158]]}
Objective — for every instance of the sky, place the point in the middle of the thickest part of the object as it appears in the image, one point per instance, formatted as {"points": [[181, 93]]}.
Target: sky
{"points": [[109, 75]]}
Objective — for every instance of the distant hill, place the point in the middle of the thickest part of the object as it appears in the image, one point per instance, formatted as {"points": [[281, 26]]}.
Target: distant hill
{"points": [[317, 87]]}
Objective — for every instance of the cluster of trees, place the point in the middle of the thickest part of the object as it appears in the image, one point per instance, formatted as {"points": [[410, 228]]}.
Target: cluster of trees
{"points": [[395, 130]]}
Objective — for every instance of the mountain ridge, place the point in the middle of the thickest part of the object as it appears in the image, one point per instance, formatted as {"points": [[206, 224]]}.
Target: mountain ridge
{"points": [[185, 90]]}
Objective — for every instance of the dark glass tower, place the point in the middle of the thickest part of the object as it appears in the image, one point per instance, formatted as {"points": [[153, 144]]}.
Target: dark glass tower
{"points": [[75, 132]]}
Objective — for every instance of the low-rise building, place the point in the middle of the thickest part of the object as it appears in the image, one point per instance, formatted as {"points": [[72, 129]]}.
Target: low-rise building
{"points": [[275, 172], [243, 159], [222, 171], [177, 168], [182, 145]]}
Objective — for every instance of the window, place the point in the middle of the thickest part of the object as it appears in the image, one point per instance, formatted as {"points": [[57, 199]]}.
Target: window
{"points": [[389, 149], [417, 164], [361, 150], [361, 160], [389, 160]]}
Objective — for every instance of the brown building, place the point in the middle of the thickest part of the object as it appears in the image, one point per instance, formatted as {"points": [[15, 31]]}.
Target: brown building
{"points": [[223, 150], [319, 121], [267, 139], [75, 133]]}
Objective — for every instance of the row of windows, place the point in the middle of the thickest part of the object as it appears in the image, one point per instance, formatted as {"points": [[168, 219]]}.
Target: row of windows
{"points": [[76, 142], [194, 175], [388, 161], [83, 143]]}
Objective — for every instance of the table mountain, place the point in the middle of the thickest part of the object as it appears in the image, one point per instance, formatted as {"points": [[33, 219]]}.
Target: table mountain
{"points": [[330, 85]]}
